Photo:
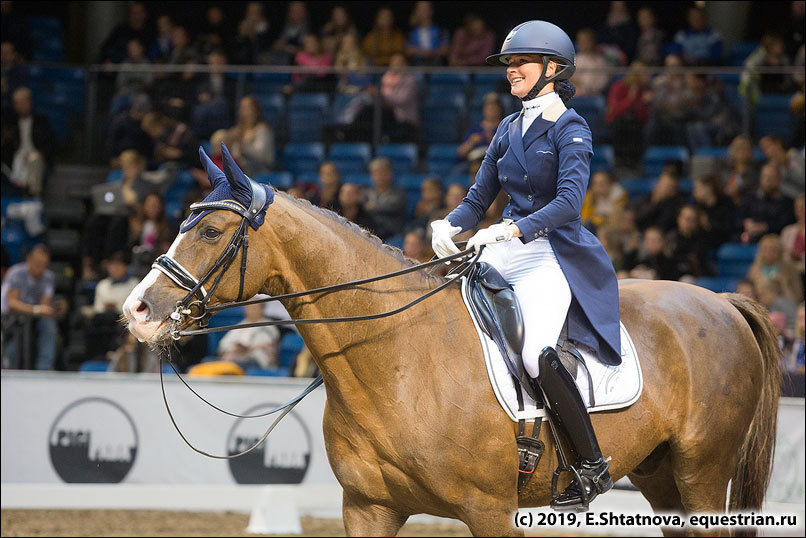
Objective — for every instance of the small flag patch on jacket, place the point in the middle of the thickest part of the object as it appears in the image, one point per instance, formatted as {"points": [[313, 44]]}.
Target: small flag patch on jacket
{"points": [[576, 139]]}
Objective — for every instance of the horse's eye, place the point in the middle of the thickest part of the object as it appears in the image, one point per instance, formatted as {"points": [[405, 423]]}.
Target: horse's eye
{"points": [[211, 233]]}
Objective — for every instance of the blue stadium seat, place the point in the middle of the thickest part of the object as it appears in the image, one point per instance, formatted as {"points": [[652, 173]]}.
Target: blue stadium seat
{"points": [[593, 110], [603, 158], [412, 197], [273, 105], [441, 159], [717, 284], [734, 259], [222, 319], [291, 344], [114, 175], [450, 82], [411, 182], [656, 157], [307, 114], [363, 180], [717, 152], [94, 366], [350, 158], [461, 179], [15, 239], [309, 177], [443, 117], [637, 186], [300, 158], [403, 156], [280, 180], [484, 83], [395, 241], [773, 117], [686, 185], [266, 83], [741, 50]]}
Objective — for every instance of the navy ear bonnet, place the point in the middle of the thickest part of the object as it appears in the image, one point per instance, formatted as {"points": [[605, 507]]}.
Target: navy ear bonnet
{"points": [[233, 190]]}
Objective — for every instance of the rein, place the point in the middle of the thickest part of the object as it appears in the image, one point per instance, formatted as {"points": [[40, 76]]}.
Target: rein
{"points": [[197, 298]]}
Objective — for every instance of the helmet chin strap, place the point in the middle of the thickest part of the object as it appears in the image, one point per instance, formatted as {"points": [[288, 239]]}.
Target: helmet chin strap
{"points": [[542, 81]]}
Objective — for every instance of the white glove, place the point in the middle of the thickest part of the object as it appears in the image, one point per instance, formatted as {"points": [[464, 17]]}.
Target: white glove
{"points": [[441, 233], [496, 233]]}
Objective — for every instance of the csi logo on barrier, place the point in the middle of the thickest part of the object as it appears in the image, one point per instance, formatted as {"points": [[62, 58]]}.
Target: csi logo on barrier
{"points": [[92, 441], [282, 459]]}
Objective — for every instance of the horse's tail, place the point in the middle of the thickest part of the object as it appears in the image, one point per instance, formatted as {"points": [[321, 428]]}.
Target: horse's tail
{"points": [[755, 464]]}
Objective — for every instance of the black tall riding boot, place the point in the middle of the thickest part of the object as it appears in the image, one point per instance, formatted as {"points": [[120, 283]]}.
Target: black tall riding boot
{"points": [[569, 413]]}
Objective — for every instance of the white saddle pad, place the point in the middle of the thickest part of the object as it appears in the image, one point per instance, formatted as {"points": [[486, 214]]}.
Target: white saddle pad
{"points": [[614, 387]]}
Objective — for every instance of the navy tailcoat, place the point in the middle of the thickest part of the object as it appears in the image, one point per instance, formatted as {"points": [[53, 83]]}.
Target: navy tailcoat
{"points": [[546, 173]]}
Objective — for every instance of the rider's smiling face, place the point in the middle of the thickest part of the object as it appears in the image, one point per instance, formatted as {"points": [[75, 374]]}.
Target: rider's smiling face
{"points": [[523, 72]]}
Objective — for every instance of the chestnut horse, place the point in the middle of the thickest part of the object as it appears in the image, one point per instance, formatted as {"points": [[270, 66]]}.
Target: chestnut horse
{"points": [[411, 424]]}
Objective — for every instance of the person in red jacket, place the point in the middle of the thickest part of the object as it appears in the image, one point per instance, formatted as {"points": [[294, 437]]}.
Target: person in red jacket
{"points": [[627, 113]]}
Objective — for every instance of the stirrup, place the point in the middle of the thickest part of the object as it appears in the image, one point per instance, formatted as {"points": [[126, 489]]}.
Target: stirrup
{"points": [[585, 486]]}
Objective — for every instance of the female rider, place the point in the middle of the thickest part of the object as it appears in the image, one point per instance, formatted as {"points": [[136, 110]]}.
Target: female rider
{"points": [[541, 158]]}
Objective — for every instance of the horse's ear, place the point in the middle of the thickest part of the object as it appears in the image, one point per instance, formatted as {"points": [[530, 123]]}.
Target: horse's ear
{"points": [[238, 182], [214, 173]]}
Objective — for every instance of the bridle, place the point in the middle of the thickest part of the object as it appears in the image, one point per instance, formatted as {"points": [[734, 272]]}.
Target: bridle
{"points": [[194, 304]]}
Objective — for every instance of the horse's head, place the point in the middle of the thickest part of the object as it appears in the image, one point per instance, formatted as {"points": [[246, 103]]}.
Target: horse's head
{"points": [[206, 262]]}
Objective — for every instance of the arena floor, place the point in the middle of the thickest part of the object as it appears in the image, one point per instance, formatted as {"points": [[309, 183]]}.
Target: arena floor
{"points": [[164, 523]]}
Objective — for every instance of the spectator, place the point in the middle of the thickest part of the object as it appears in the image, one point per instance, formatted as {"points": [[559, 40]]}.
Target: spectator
{"points": [[771, 53], [794, 361], [352, 208], [688, 245], [103, 330], [16, 30], [130, 83], [108, 226], [628, 103], [741, 171], [769, 295], [27, 296], [160, 48], [384, 40], [771, 265], [385, 202], [699, 44], [767, 210], [182, 50], [14, 73], [350, 56], [253, 346], [150, 233], [214, 32], [790, 164], [253, 39], [428, 44], [290, 41], [652, 261], [173, 142], [793, 32], [717, 211], [330, 179], [591, 77], [199, 174], [430, 202], [336, 29], [659, 209], [611, 240], [619, 30], [481, 135], [311, 56], [792, 237], [710, 117], [179, 91], [27, 146], [747, 288], [604, 201], [471, 43], [667, 115], [415, 246], [136, 26], [649, 47], [628, 230], [212, 111], [400, 94], [252, 139]]}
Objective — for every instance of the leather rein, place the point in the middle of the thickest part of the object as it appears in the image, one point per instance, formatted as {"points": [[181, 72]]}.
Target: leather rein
{"points": [[195, 305]]}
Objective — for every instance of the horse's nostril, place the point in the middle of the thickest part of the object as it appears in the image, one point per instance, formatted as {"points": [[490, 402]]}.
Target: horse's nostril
{"points": [[142, 307]]}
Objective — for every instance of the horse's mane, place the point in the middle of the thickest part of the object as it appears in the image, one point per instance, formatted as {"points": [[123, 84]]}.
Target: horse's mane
{"points": [[356, 229]]}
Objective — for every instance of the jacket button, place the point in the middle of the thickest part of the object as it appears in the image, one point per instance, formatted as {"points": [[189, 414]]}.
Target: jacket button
{"points": [[536, 236], [509, 213], [525, 177], [529, 197], [505, 179]]}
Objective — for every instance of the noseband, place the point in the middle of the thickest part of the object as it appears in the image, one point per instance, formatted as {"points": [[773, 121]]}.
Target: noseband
{"points": [[194, 304]]}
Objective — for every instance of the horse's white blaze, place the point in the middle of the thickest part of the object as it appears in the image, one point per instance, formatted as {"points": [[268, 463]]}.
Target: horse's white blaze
{"points": [[141, 328]]}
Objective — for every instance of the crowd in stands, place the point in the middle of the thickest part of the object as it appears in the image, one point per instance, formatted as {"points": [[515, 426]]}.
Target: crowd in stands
{"points": [[752, 195]]}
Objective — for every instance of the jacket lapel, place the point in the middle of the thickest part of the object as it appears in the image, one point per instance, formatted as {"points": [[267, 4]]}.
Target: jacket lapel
{"points": [[516, 140], [544, 122]]}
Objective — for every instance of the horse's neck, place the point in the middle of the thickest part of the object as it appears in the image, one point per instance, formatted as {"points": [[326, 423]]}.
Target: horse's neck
{"points": [[312, 249]]}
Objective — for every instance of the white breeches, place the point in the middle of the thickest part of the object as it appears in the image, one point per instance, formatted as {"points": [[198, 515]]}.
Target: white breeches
{"points": [[542, 290]]}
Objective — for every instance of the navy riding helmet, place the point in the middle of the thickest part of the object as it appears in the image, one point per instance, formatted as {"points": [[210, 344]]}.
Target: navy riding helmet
{"points": [[544, 38]]}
